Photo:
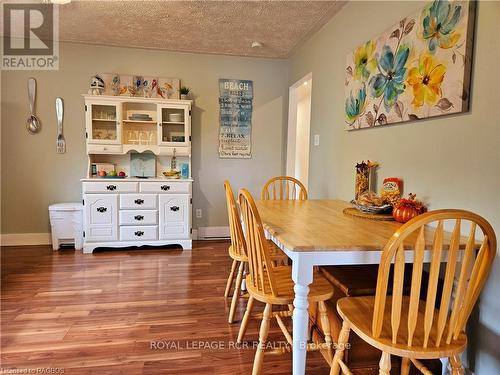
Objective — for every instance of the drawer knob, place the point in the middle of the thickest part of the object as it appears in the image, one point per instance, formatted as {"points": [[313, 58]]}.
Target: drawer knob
{"points": [[138, 233], [111, 187], [101, 209], [165, 187], [174, 208], [139, 217], [139, 201]]}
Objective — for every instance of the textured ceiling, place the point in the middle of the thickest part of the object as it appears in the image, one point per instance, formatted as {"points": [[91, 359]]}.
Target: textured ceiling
{"points": [[216, 27]]}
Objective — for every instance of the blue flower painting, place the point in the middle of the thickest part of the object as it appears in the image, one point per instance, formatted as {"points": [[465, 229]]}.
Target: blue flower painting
{"points": [[417, 69]]}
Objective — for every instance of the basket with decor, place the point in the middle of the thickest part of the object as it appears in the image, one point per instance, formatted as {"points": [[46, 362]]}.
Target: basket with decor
{"points": [[368, 204], [371, 203]]}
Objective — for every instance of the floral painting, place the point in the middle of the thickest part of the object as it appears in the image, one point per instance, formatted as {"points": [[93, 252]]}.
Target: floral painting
{"points": [[417, 69]]}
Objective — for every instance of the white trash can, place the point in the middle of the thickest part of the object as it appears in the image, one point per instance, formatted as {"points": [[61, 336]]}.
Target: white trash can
{"points": [[66, 221]]}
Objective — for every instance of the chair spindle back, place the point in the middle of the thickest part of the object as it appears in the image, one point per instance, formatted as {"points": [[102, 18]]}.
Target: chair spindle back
{"points": [[237, 240], [284, 188], [473, 269], [259, 261]]}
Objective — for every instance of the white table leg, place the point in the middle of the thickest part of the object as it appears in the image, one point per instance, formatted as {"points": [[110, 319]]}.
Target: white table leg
{"points": [[302, 275]]}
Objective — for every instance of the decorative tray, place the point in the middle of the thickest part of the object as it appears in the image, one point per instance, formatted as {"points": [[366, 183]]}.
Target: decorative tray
{"points": [[372, 209], [352, 211]]}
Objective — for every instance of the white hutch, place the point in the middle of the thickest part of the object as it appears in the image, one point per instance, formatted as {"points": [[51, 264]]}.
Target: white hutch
{"points": [[134, 211]]}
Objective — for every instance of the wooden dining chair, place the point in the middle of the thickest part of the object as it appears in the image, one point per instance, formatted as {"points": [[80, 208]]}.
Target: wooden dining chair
{"points": [[284, 188], [237, 251], [407, 326], [273, 285]]}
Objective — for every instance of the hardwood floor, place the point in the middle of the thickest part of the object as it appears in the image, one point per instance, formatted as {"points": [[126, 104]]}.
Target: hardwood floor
{"points": [[144, 311]]}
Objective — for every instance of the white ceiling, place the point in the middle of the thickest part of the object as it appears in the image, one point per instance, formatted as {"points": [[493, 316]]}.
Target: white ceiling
{"points": [[215, 27]]}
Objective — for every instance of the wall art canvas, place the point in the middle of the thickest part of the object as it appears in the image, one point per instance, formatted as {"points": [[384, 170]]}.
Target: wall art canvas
{"points": [[417, 69], [141, 86], [235, 116]]}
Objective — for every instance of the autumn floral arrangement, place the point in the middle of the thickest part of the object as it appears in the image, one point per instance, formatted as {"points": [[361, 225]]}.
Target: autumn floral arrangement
{"points": [[406, 209]]}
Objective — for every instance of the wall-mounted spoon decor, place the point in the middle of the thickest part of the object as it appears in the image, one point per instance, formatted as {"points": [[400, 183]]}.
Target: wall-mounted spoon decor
{"points": [[33, 124], [61, 142]]}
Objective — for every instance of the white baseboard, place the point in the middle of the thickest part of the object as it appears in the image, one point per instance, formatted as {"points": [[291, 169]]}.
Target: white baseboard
{"points": [[31, 239], [194, 234], [25, 239], [212, 233]]}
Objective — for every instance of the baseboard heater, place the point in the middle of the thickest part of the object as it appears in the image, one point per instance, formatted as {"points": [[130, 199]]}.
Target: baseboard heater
{"points": [[213, 233]]}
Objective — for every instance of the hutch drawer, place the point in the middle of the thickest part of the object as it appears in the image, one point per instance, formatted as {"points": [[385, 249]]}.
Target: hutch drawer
{"points": [[139, 233], [138, 217], [104, 149], [110, 187], [138, 201], [165, 187]]}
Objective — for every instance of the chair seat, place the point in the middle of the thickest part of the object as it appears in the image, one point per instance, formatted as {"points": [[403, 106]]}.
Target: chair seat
{"points": [[275, 253], [236, 256], [358, 312], [319, 290]]}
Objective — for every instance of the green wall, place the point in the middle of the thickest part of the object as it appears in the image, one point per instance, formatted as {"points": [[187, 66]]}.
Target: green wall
{"points": [[451, 161]]}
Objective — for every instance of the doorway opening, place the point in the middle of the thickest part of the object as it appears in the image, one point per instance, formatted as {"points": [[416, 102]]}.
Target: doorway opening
{"points": [[299, 129]]}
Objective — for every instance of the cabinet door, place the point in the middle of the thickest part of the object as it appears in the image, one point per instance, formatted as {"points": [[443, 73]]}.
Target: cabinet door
{"points": [[174, 125], [174, 216], [101, 217], [103, 122]]}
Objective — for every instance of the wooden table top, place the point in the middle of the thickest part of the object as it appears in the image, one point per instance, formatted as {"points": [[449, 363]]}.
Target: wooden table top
{"points": [[320, 225]]}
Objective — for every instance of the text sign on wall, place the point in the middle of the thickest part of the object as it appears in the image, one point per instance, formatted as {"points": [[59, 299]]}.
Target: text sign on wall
{"points": [[235, 101]]}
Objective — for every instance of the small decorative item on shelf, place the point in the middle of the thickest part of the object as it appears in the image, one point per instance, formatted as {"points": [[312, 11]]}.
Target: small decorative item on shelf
{"points": [[102, 167], [132, 90], [184, 170], [173, 162], [167, 89], [154, 87], [406, 209], [175, 117], [96, 85], [143, 165], [184, 92], [147, 89], [115, 84], [138, 85], [363, 172], [391, 190], [112, 174], [172, 174]]}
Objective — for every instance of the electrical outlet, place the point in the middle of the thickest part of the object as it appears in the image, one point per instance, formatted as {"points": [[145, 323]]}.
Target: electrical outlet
{"points": [[198, 213]]}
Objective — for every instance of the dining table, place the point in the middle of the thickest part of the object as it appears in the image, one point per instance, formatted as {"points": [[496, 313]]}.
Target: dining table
{"points": [[318, 232]]}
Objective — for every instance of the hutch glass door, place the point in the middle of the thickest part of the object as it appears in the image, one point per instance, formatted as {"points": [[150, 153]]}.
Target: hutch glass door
{"points": [[104, 123], [174, 125]]}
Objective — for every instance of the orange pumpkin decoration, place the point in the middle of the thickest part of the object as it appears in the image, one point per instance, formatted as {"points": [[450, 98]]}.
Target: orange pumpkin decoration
{"points": [[407, 209]]}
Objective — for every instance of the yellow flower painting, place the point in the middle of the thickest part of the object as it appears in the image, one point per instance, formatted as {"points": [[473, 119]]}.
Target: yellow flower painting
{"points": [[425, 80], [417, 69]]}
